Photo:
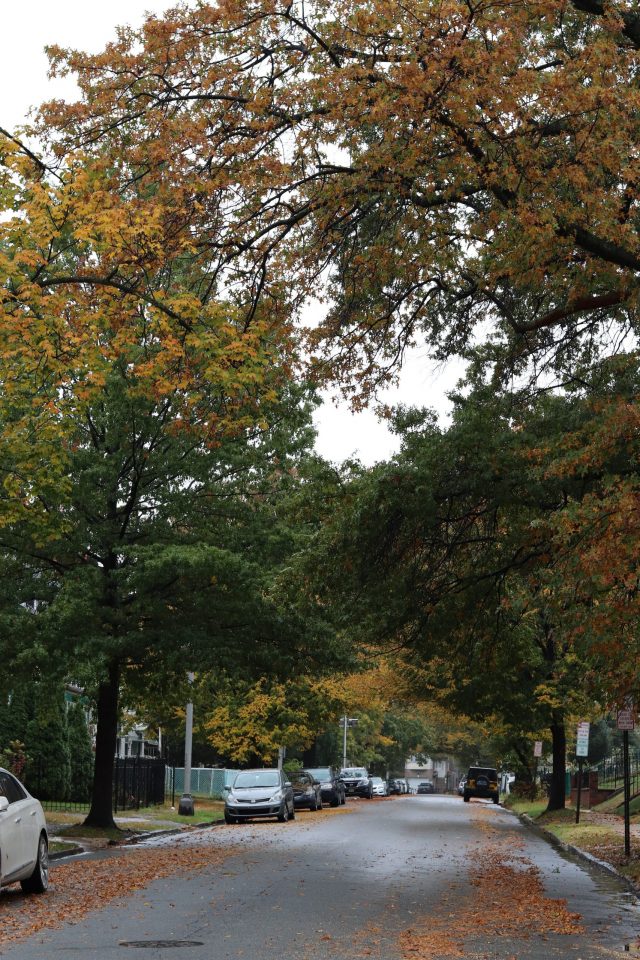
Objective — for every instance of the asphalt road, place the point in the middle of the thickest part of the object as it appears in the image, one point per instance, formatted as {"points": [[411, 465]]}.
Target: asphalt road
{"points": [[410, 877]]}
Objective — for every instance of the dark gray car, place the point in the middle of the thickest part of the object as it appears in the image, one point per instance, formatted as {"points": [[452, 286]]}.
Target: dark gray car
{"points": [[331, 787], [258, 794], [357, 782]]}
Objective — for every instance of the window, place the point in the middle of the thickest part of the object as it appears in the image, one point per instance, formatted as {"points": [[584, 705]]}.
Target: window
{"points": [[258, 778], [10, 788]]}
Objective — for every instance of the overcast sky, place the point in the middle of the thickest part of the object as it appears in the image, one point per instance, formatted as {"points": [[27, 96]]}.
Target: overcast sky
{"points": [[31, 24]]}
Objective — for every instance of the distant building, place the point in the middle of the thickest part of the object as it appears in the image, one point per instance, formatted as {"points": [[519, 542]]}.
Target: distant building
{"points": [[137, 742], [443, 773]]}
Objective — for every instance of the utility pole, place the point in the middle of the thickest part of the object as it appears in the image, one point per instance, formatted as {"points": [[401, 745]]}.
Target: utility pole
{"points": [[185, 807], [346, 722]]}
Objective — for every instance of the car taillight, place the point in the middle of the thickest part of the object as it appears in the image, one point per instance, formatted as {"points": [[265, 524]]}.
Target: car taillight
{"points": [[471, 783]]}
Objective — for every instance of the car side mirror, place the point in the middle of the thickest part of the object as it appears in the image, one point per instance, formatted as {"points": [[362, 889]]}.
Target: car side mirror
{"points": [[287, 783], [4, 804]]}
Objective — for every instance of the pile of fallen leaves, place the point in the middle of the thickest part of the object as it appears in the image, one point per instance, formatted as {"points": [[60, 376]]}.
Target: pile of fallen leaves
{"points": [[507, 901], [118, 876]]}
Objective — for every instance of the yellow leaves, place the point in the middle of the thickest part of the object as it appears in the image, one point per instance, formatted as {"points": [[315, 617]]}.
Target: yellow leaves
{"points": [[258, 720]]}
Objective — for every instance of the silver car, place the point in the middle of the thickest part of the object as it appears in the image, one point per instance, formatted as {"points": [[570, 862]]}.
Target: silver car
{"points": [[24, 845], [259, 793]]}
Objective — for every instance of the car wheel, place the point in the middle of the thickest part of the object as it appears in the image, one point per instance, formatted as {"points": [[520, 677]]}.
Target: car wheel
{"points": [[336, 801], [465, 797], [229, 818], [496, 798], [292, 814], [39, 879], [344, 799], [283, 816]]}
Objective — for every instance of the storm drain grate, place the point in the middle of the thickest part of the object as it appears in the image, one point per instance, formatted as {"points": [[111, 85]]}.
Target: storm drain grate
{"points": [[161, 944]]}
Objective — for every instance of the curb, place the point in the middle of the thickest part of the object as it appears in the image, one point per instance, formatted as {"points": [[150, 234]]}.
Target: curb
{"points": [[70, 852], [139, 837], [576, 851]]}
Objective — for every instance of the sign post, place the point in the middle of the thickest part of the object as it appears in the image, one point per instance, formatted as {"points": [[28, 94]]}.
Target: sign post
{"points": [[582, 750], [626, 722]]}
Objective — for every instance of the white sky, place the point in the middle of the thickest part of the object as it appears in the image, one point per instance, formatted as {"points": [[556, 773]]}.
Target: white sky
{"points": [[29, 25]]}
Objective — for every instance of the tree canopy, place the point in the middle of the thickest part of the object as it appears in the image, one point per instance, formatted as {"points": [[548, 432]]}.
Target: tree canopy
{"points": [[434, 168]]}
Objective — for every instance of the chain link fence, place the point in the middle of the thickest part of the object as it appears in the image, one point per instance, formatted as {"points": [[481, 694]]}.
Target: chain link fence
{"points": [[205, 781]]}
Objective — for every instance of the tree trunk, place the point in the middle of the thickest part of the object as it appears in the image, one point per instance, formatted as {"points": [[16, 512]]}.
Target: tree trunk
{"points": [[559, 747], [101, 812]]}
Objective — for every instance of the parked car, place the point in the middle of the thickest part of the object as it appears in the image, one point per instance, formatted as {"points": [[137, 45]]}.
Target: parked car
{"points": [[394, 786], [357, 782], [482, 782], [306, 791], [332, 788], [259, 793], [426, 787], [378, 787], [24, 844]]}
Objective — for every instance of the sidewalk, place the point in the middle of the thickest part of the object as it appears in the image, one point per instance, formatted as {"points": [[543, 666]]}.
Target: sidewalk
{"points": [[68, 835], [599, 836]]}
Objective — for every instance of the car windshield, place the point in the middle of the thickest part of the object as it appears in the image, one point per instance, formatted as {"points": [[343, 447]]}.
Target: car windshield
{"points": [[257, 778], [320, 773], [354, 772], [376, 780]]}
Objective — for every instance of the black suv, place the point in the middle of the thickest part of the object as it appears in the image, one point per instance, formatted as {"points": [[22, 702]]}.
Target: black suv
{"points": [[357, 782], [482, 782]]}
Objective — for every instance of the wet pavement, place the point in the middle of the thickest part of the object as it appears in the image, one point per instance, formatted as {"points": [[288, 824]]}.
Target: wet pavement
{"points": [[420, 877]]}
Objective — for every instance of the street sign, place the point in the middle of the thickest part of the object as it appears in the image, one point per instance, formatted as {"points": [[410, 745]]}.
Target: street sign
{"points": [[537, 748], [625, 720], [582, 740]]}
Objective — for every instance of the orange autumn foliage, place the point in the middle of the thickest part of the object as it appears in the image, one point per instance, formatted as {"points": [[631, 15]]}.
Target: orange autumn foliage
{"points": [[426, 166]]}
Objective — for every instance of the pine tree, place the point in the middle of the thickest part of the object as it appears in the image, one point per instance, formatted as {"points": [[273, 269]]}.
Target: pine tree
{"points": [[48, 772], [81, 754]]}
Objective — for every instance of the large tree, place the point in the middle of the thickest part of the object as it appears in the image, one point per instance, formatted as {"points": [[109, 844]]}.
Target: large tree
{"points": [[124, 373], [160, 557]]}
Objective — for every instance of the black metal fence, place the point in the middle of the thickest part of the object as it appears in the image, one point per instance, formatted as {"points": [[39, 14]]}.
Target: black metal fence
{"points": [[62, 806], [138, 782], [611, 772]]}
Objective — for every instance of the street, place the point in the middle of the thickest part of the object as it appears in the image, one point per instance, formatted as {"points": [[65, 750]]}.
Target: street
{"points": [[412, 877]]}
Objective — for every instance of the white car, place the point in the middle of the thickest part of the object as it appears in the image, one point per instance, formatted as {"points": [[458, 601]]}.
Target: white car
{"points": [[24, 845], [379, 787]]}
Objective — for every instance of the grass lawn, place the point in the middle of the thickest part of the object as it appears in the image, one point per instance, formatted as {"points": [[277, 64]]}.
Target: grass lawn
{"points": [[58, 846], [533, 808], [130, 822]]}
